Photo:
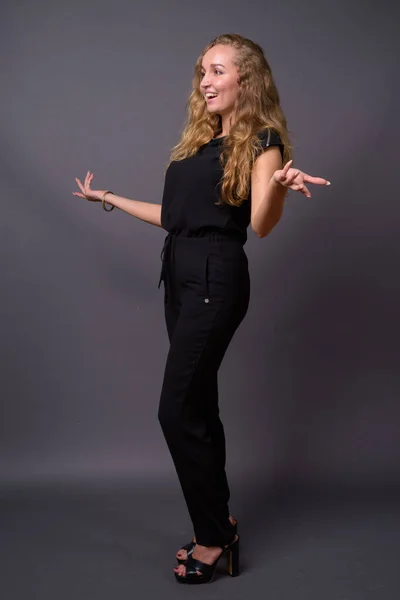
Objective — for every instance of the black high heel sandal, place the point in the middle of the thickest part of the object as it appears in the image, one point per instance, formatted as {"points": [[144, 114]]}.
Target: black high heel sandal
{"points": [[207, 571], [190, 546]]}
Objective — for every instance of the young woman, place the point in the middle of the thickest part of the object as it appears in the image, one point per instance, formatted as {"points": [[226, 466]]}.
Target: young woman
{"points": [[231, 168]]}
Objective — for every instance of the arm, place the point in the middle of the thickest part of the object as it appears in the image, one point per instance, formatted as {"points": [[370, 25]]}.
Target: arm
{"points": [[267, 195], [270, 184], [150, 213]]}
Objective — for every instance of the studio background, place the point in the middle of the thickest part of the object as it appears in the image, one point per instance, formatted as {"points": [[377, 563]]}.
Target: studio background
{"points": [[310, 385]]}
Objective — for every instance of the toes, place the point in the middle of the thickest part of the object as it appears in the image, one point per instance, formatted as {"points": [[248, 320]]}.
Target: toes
{"points": [[181, 570]]}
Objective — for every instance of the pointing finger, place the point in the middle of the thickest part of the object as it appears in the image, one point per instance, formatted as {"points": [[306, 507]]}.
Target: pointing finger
{"points": [[316, 180]]}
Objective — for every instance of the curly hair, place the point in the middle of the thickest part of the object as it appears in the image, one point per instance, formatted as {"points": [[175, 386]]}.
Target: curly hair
{"points": [[257, 107]]}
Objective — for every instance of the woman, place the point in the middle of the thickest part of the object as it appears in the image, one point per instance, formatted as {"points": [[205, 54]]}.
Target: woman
{"points": [[225, 173]]}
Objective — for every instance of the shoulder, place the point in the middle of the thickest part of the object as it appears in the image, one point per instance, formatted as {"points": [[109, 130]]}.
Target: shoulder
{"points": [[269, 137], [265, 163]]}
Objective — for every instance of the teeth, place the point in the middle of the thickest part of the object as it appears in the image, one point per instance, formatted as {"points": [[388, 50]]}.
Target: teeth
{"points": [[211, 95]]}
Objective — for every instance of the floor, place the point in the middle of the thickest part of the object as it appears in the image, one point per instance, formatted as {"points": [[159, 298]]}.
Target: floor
{"points": [[73, 542]]}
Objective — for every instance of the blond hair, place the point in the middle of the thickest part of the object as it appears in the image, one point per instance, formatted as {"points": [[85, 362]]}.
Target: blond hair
{"points": [[257, 107]]}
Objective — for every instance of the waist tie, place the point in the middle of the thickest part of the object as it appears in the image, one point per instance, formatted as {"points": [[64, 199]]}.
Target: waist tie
{"points": [[167, 248], [165, 256]]}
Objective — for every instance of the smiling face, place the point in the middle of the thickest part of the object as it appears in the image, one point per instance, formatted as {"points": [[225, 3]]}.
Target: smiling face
{"points": [[220, 76]]}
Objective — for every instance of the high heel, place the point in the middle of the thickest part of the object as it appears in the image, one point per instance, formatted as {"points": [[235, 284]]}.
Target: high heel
{"points": [[208, 571], [190, 546]]}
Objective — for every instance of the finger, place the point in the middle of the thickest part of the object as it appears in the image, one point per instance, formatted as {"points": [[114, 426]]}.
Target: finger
{"points": [[287, 167], [87, 182], [304, 189], [316, 180], [292, 176], [78, 181], [289, 176], [88, 179], [284, 171], [281, 178], [78, 194]]}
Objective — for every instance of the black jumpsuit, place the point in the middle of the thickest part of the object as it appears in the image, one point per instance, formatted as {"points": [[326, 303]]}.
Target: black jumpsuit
{"points": [[206, 296]]}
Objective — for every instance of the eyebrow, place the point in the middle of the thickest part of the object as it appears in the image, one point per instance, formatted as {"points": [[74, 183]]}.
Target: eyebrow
{"points": [[213, 65]]}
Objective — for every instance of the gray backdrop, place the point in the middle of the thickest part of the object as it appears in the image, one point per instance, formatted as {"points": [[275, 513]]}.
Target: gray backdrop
{"points": [[310, 385]]}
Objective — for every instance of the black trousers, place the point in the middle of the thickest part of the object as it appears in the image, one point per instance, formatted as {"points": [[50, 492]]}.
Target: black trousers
{"points": [[206, 296]]}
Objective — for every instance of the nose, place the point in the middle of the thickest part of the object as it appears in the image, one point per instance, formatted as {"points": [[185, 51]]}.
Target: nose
{"points": [[205, 82]]}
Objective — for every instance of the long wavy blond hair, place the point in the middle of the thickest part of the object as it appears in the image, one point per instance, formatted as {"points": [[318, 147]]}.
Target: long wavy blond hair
{"points": [[257, 107]]}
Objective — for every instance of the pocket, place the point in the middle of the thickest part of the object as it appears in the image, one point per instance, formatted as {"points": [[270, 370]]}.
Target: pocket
{"points": [[214, 276], [206, 299]]}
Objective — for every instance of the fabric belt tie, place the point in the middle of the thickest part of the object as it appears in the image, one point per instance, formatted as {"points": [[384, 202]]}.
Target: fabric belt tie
{"points": [[167, 249], [165, 256]]}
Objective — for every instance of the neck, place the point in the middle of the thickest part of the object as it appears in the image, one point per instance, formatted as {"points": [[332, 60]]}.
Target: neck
{"points": [[226, 123]]}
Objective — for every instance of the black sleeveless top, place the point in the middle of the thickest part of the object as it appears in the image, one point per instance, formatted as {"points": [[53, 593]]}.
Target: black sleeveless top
{"points": [[191, 189]]}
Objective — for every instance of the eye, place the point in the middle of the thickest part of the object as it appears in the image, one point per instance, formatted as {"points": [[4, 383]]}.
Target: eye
{"points": [[215, 71]]}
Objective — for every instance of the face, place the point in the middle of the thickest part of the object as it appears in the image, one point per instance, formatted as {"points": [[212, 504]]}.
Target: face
{"points": [[219, 76]]}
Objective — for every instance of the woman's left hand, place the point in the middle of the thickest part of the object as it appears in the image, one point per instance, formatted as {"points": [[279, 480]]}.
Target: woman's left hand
{"points": [[294, 179]]}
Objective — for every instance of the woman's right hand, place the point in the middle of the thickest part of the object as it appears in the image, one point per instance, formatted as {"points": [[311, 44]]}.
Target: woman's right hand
{"points": [[87, 193]]}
